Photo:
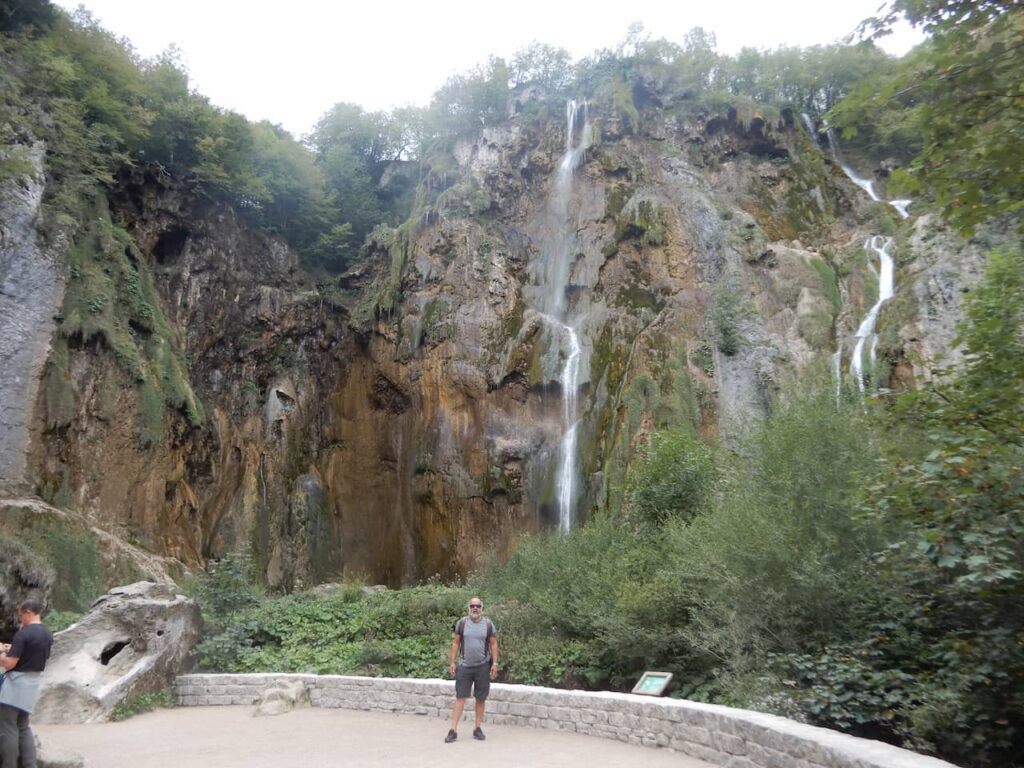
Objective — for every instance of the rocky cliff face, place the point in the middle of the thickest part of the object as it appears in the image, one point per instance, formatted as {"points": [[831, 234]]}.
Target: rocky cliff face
{"points": [[31, 287], [713, 260]]}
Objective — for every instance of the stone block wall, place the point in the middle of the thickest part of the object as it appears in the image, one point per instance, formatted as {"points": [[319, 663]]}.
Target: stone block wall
{"points": [[732, 738]]}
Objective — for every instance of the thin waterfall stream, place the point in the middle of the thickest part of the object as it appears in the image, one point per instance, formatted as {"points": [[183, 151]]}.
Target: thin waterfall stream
{"points": [[875, 245], [563, 340], [880, 246]]}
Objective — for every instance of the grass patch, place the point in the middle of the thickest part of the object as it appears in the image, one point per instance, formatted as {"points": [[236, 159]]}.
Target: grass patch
{"points": [[141, 704]]}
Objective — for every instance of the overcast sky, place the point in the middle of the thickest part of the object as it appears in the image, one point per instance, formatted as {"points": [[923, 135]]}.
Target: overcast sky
{"points": [[289, 62]]}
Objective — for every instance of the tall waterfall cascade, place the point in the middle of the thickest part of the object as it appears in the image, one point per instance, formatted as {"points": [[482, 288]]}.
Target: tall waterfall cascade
{"points": [[876, 245], [563, 342]]}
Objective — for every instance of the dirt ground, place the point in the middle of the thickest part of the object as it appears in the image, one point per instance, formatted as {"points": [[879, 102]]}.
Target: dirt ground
{"points": [[231, 737]]}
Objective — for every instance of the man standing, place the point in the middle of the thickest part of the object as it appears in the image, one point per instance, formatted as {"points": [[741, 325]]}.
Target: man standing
{"points": [[475, 643], [23, 660]]}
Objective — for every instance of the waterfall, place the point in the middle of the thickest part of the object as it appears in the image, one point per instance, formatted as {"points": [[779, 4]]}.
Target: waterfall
{"points": [[809, 125], [876, 244], [567, 470], [837, 369], [563, 340], [880, 246], [867, 185], [558, 253]]}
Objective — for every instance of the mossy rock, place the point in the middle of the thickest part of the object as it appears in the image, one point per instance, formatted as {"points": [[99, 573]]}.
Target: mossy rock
{"points": [[23, 574], [84, 562], [111, 301]]}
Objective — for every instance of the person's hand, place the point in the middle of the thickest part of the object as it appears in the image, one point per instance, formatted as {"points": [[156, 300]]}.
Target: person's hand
{"points": [[494, 670], [451, 669]]}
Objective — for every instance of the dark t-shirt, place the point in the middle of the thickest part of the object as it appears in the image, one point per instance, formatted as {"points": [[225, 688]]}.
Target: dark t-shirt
{"points": [[31, 647]]}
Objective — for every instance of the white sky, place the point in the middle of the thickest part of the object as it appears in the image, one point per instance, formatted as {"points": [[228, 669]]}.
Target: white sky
{"points": [[289, 62]]}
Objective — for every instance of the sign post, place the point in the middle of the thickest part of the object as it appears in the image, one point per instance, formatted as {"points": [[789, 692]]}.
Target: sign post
{"points": [[653, 683]]}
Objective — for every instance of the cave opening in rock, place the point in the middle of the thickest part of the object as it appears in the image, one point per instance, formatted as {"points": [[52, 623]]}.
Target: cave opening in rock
{"points": [[112, 649], [171, 245]]}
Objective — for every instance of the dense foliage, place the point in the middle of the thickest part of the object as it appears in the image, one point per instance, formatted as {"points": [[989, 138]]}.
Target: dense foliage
{"points": [[959, 100], [102, 110], [349, 631]]}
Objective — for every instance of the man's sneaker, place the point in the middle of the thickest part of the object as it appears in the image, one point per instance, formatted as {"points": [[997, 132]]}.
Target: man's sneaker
{"points": [[478, 734], [452, 736]]}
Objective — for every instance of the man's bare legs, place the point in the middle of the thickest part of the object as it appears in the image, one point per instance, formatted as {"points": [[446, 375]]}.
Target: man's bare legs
{"points": [[460, 704]]}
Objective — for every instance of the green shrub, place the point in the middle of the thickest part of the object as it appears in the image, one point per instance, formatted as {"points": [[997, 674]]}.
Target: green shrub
{"points": [[676, 479], [228, 588], [57, 621], [401, 633], [776, 565], [589, 608], [138, 705]]}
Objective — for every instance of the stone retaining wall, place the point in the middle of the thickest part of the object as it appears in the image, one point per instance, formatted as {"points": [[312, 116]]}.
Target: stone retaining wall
{"points": [[733, 738]]}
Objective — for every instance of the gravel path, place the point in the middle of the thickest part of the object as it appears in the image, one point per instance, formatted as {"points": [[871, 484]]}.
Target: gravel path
{"points": [[231, 737]]}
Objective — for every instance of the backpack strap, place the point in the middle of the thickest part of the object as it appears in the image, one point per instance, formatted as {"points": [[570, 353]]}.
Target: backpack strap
{"points": [[460, 630]]}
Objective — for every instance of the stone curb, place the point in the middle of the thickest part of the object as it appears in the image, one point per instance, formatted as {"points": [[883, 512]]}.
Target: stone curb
{"points": [[732, 738]]}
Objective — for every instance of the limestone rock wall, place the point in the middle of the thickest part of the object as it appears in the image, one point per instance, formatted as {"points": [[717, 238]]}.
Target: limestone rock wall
{"points": [[31, 286], [714, 261]]}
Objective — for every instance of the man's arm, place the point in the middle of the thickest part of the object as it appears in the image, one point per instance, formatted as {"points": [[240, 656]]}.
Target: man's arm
{"points": [[456, 642], [493, 642]]}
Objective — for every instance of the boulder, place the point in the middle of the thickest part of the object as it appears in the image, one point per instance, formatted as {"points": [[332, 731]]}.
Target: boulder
{"points": [[135, 639], [282, 697]]}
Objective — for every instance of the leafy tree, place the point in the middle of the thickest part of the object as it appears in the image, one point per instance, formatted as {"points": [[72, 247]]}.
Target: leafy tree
{"points": [[775, 566], [697, 60], [468, 102], [811, 79], [676, 480], [180, 118], [354, 149], [590, 608], [16, 15], [964, 92], [963, 557], [295, 190], [936, 658], [543, 65]]}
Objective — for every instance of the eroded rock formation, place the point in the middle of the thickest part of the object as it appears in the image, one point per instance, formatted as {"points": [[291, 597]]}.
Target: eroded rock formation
{"points": [[404, 420], [134, 640]]}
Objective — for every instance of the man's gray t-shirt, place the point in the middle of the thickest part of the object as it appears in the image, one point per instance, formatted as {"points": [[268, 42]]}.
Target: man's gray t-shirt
{"points": [[474, 641]]}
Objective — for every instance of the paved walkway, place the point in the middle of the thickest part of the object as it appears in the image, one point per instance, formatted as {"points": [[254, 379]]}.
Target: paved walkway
{"points": [[230, 737]]}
